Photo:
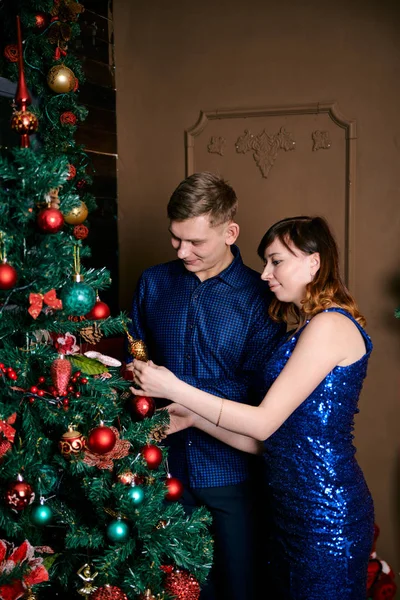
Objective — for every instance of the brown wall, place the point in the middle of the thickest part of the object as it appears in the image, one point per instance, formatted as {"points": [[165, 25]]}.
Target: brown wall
{"points": [[175, 59]]}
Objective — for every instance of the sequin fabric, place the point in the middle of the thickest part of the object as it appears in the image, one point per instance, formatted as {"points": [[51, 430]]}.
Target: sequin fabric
{"points": [[322, 508]]}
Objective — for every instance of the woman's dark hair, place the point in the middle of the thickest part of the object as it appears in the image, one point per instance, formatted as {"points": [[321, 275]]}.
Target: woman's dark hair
{"points": [[310, 235]]}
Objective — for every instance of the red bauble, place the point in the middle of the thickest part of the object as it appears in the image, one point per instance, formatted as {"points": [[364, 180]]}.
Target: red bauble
{"points": [[101, 440], [50, 220], [71, 443], [8, 276], [175, 488], [140, 407], [152, 455], [108, 592], [19, 495], [182, 585], [99, 311], [60, 375], [24, 121]]}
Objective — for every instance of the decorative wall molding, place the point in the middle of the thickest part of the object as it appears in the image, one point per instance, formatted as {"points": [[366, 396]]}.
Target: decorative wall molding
{"points": [[216, 145], [329, 108], [321, 139], [265, 147]]}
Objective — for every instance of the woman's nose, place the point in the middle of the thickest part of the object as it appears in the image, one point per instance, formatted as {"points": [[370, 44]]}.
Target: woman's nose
{"points": [[266, 274]]}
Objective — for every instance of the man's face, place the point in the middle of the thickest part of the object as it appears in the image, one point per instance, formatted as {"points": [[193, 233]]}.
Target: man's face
{"points": [[204, 250]]}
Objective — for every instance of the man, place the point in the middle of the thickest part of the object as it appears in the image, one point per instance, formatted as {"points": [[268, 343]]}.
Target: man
{"points": [[205, 317]]}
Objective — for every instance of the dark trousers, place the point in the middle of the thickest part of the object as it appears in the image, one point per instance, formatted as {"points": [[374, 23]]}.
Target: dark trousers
{"points": [[234, 513]]}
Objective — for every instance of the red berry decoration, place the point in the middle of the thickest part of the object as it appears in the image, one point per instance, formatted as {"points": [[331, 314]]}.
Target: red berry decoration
{"points": [[72, 172], [174, 487], [40, 20], [80, 232], [182, 585], [99, 311], [60, 374], [68, 118], [8, 276], [19, 494], [50, 220], [101, 440], [140, 407], [108, 592], [152, 455]]}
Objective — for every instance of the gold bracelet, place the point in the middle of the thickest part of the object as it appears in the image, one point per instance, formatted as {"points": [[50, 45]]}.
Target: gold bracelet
{"points": [[220, 412]]}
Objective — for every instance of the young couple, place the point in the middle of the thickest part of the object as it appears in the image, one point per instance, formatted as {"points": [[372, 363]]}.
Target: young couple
{"points": [[264, 374]]}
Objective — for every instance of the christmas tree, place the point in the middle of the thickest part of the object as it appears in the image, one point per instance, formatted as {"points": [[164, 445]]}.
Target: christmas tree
{"points": [[87, 504]]}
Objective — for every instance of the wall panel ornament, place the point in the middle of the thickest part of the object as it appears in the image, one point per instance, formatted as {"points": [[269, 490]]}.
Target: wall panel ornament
{"points": [[265, 147], [321, 139], [313, 181], [216, 145]]}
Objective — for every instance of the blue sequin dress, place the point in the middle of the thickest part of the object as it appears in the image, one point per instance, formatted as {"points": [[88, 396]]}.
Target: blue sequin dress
{"points": [[322, 509]]}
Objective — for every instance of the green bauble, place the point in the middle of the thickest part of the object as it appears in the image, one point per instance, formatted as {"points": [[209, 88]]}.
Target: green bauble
{"points": [[136, 494], [117, 531], [78, 298], [41, 515]]}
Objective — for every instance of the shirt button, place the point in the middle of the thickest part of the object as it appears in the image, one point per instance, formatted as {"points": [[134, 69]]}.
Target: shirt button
{"points": [[187, 356], [190, 443]]}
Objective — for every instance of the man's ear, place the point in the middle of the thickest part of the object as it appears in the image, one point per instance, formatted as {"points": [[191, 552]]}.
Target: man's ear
{"points": [[231, 233]]}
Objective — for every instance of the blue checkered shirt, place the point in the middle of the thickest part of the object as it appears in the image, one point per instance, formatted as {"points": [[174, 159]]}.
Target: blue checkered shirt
{"points": [[215, 335]]}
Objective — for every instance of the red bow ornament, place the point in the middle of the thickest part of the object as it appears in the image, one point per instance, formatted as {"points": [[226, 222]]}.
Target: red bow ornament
{"points": [[7, 434], [36, 302]]}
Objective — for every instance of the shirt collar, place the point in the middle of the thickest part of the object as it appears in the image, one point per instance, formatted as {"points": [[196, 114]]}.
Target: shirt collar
{"points": [[228, 275]]}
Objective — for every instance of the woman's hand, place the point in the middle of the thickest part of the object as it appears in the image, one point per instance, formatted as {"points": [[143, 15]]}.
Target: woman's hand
{"points": [[179, 418], [154, 381]]}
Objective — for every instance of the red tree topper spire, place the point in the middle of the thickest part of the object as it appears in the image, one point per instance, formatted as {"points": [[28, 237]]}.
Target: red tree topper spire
{"points": [[22, 96]]}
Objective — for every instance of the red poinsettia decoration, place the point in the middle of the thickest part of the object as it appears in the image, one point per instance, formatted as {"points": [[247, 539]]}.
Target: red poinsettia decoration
{"points": [[7, 434], [65, 343], [23, 555]]}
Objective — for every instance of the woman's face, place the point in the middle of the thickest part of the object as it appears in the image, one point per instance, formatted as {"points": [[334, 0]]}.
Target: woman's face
{"points": [[288, 272]]}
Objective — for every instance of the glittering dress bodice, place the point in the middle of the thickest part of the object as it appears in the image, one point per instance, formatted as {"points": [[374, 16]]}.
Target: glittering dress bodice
{"points": [[322, 508]]}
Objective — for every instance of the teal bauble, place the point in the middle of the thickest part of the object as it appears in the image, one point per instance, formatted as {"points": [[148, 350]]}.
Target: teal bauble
{"points": [[117, 531], [78, 298], [41, 515], [136, 494]]}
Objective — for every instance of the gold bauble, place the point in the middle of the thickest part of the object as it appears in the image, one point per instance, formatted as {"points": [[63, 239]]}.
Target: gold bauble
{"points": [[77, 215], [61, 79]]}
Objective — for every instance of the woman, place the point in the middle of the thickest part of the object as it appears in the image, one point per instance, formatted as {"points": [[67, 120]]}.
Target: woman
{"points": [[322, 508]]}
